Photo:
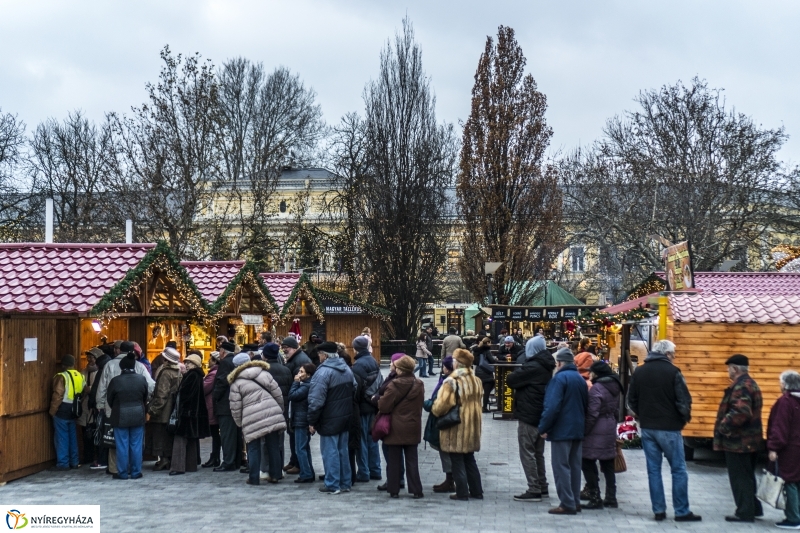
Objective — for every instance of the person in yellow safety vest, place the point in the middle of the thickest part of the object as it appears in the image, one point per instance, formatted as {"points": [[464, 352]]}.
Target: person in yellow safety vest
{"points": [[66, 385]]}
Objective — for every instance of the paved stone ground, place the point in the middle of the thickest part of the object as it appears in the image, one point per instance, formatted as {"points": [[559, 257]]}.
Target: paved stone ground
{"points": [[208, 501]]}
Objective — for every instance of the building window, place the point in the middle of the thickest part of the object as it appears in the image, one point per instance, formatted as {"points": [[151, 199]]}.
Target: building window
{"points": [[577, 255], [283, 206]]}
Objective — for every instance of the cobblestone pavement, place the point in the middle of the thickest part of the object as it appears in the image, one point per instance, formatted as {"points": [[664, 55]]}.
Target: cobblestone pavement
{"points": [[208, 501]]}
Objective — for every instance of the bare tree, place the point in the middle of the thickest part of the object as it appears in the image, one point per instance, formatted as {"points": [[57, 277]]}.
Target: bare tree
{"points": [[508, 195], [682, 167], [397, 163], [74, 162], [171, 152], [268, 121], [14, 198]]}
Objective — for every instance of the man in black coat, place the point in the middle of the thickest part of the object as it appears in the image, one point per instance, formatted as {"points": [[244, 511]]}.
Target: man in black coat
{"points": [[529, 383], [273, 443], [366, 369], [229, 433], [295, 359]]}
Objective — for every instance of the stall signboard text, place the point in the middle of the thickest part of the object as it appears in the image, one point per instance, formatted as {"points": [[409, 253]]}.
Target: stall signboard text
{"points": [[678, 267], [571, 313], [499, 313], [553, 314], [517, 314], [333, 308], [535, 314]]}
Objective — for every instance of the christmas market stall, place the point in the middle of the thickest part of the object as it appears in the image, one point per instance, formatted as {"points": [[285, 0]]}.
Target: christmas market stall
{"points": [[240, 303], [332, 316], [59, 299]]}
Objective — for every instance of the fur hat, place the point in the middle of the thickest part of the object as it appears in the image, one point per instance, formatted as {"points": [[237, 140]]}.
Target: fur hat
{"points": [[738, 359], [68, 361], [241, 359], [360, 343], [464, 357], [194, 358], [290, 342], [270, 351], [171, 354], [564, 355], [228, 346], [405, 364]]}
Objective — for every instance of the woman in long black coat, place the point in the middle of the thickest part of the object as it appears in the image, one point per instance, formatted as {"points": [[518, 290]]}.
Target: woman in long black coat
{"points": [[193, 419]]}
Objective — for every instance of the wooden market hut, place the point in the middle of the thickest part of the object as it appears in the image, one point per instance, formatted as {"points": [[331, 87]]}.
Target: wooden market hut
{"points": [[708, 328], [62, 298], [330, 315], [240, 302]]}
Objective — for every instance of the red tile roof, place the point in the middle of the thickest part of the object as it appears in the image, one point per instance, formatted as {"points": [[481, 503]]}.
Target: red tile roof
{"points": [[62, 278], [628, 305], [280, 285], [212, 277], [763, 283], [762, 309]]}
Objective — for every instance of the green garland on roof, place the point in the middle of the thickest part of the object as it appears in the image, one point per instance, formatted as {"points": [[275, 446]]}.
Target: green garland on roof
{"points": [[317, 295], [107, 305], [601, 319], [221, 304]]}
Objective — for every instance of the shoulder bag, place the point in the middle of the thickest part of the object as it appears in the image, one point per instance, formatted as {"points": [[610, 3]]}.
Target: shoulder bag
{"points": [[77, 398], [620, 465], [771, 489], [452, 417], [383, 421], [175, 415]]}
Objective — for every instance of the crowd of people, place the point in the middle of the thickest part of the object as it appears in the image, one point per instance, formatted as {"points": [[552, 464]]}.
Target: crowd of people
{"points": [[252, 395]]}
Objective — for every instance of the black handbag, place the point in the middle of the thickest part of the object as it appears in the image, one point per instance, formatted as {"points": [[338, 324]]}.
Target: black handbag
{"points": [[77, 398], [174, 416], [450, 418], [108, 435]]}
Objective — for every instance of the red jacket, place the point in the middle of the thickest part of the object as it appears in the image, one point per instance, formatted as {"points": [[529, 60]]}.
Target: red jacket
{"points": [[783, 435]]}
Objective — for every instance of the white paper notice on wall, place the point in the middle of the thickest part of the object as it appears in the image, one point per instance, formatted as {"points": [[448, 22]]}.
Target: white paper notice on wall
{"points": [[31, 350]]}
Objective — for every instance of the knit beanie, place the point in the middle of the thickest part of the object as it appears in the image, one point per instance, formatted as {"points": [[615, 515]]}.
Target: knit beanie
{"points": [[397, 356], [128, 362], [447, 362], [241, 359], [68, 361], [360, 343], [564, 355]]}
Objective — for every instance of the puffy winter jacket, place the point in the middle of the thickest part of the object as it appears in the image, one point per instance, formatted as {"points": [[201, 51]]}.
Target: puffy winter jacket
{"points": [[330, 400], [600, 441], [298, 396], [367, 369], [529, 383], [255, 400], [564, 415]]}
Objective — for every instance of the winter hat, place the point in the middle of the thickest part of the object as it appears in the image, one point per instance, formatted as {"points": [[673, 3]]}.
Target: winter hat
{"points": [[128, 362], [171, 354], [564, 355], [228, 346], [397, 356], [96, 352], [172, 344], [405, 364], [464, 357], [600, 369], [125, 346], [68, 361], [509, 339], [328, 347], [214, 356], [241, 359], [360, 343], [194, 358], [738, 359], [270, 351], [290, 342], [447, 362], [535, 345]]}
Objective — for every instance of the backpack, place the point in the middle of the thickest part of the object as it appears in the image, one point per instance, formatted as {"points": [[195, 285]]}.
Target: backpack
{"points": [[372, 389], [77, 398]]}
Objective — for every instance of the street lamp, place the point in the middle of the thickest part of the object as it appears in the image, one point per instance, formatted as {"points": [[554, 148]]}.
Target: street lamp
{"points": [[489, 269]]}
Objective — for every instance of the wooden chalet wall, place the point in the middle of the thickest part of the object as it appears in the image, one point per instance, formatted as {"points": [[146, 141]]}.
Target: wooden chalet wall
{"points": [[703, 348], [338, 328], [26, 428]]}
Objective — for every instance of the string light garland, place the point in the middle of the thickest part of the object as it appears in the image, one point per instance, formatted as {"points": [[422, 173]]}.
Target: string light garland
{"points": [[305, 290], [653, 283], [162, 260], [606, 320], [785, 254], [247, 276]]}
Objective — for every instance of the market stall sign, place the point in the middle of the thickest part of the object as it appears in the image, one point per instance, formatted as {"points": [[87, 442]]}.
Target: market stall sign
{"points": [[571, 313], [535, 314], [553, 314], [252, 320], [500, 313], [333, 308], [678, 267], [517, 314]]}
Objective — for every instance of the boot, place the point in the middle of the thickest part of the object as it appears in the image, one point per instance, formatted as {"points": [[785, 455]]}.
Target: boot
{"points": [[586, 493], [595, 502], [611, 497], [448, 485]]}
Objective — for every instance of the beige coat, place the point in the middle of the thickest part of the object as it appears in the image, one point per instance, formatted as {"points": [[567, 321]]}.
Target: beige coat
{"points": [[167, 384], [256, 400], [466, 436], [450, 344]]}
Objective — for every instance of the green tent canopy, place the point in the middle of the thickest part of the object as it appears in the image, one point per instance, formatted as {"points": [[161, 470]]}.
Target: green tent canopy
{"points": [[547, 293]]}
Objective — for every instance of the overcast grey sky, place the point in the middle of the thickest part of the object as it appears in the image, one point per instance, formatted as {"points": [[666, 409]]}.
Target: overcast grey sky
{"points": [[589, 57]]}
